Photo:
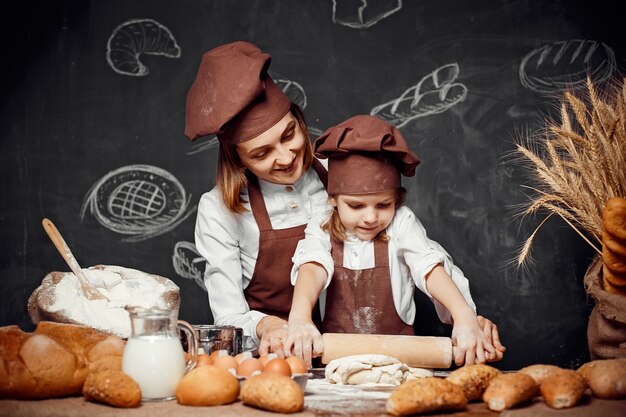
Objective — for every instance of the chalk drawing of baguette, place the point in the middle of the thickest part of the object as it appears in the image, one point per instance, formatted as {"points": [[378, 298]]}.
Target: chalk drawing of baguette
{"points": [[565, 65], [435, 93], [134, 38]]}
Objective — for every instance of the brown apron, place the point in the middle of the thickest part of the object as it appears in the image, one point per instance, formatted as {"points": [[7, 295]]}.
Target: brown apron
{"points": [[270, 290], [361, 301]]}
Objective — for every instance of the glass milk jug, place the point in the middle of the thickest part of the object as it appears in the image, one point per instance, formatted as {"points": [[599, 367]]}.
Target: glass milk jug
{"points": [[153, 355]]}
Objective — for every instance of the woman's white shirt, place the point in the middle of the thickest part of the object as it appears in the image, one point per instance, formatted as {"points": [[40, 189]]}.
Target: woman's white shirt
{"points": [[412, 255], [230, 243]]}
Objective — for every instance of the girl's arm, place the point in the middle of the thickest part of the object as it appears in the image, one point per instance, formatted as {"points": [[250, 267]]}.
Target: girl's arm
{"points": [[303, 339]]}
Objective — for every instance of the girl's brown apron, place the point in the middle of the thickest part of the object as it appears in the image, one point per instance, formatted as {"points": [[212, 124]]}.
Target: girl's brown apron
{"points": [[270, 290], [361, 301]]}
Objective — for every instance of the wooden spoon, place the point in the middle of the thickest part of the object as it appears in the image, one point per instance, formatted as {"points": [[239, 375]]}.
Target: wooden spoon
{"points": [[89, 291]]}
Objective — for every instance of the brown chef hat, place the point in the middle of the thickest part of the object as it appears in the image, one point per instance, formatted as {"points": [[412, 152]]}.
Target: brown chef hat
{"points": [[233, 96], [365, 155]]}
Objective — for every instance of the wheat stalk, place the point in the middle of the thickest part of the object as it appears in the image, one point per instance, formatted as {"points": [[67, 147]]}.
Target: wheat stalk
{"points": [[579, 163]]}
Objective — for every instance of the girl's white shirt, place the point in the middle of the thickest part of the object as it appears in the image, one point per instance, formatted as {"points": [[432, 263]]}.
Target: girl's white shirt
{"points": [[412, 255], [230, 243]]}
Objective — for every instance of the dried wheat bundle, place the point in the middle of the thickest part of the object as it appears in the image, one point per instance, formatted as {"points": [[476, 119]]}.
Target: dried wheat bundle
{"points": [[579, 162]]}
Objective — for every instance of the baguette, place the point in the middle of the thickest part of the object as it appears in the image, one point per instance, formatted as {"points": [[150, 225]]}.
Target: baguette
{"points": [[509, 390], [426, 395], [614, 246], [474, 379], [563, 389]]}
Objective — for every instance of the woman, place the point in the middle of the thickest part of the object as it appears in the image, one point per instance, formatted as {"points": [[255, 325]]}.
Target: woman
{"points": [[267, 188]]}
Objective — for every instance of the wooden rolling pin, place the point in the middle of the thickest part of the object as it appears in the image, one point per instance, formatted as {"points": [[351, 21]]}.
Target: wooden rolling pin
{"points": [[415, 351]]}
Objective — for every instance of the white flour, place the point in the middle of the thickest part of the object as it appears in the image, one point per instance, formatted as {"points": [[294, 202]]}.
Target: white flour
{"points": [[123, 286], [322, 396]]}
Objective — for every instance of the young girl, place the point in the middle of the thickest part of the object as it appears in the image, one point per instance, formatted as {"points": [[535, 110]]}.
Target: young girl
{"points": [[267, 187], [372, 251]]}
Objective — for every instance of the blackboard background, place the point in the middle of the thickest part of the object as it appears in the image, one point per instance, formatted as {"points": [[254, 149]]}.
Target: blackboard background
{"points": [[68, 119]]}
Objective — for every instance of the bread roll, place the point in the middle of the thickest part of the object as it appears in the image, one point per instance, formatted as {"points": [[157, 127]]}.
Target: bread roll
{"points": [[425, 395], [273, 392], [207, 385], [563, 389], [614, 246], [539, 372], [112, 387], [508, 390], [607, 379], [473, 379]]}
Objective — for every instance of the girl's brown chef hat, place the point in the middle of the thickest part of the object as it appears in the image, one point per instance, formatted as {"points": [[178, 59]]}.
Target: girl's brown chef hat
{"points": [[233, 96], [365, 155]]}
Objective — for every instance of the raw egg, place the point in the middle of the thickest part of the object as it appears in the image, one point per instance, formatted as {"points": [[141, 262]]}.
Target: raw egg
{"points": [[204, 359], [297, 365], [249, 367], [243, 356], [277, 366], [266, 358], [226, 362]]}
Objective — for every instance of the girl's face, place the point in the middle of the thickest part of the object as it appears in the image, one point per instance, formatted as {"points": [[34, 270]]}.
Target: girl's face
{"points": [[276, 155], [365, 215]]}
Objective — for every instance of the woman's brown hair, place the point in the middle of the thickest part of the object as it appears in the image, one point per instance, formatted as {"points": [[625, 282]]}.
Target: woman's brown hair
{"points": [[232, 176], [334, 226]]}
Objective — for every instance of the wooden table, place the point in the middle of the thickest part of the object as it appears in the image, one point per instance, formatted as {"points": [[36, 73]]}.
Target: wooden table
{"points": [[321, 400]]}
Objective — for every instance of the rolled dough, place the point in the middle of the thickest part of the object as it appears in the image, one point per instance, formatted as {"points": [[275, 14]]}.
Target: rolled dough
{"points": [[371, 368]]}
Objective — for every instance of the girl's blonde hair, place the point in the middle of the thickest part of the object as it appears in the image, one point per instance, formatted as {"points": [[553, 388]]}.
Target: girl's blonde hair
{"points": [[232, 176], [336, 229]]}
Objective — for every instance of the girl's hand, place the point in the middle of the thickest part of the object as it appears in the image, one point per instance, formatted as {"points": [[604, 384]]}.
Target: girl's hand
{"points": [[303, 340], [491, 333], [271, 331], [470, 341]]}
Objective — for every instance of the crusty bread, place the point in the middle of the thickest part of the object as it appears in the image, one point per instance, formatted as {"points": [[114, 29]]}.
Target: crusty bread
{"points": [[539, 372], [563, 389], [614, 246], [112, 387], [509, 390], [474, 379], [207, 385], [426, 395], [273, 392], [53, 361], [607, 378]]}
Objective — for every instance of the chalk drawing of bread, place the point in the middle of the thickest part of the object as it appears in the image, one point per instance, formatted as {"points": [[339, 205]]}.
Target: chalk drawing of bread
{"points": [[138, 200], [566, 64], [435, 93], [361, 14], [188, 263], [135, 37]]}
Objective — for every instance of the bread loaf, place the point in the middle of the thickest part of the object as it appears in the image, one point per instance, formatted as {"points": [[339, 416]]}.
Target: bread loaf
{"points": [[539, 372], [563, 389], [607, 378], [207, 385], [426, 395], [474, 379], [273, 392], [112, 387], [614, 246], [509, 390], [53, 361]]}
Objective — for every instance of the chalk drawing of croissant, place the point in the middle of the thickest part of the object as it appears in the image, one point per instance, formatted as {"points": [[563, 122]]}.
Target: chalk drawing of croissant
{"points": [[135, 37], [435, 93], [142, 201], [188, 263], [362, 14]]}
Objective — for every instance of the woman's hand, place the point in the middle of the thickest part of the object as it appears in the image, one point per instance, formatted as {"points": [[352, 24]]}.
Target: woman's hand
{"points": [[470, 342], [303, 340], [491, 333], [271, 331]]}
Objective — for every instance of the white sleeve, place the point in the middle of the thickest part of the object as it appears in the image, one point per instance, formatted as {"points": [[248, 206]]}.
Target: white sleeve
{"points": [[422, 254], [315, 247], [217, 240]]}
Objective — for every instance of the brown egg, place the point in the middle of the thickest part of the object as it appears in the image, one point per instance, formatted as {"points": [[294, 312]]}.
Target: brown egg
{"points": [[243, 356], [226, 362], [297, 365], [266, 358], [277, 366], [216, 353], [204, 359], [249, 367]]}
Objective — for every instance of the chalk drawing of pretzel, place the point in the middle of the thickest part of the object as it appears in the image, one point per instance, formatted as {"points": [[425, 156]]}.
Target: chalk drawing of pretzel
{"points": [[435, 93], [135, 37], [188, 263], [362, 14]]}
